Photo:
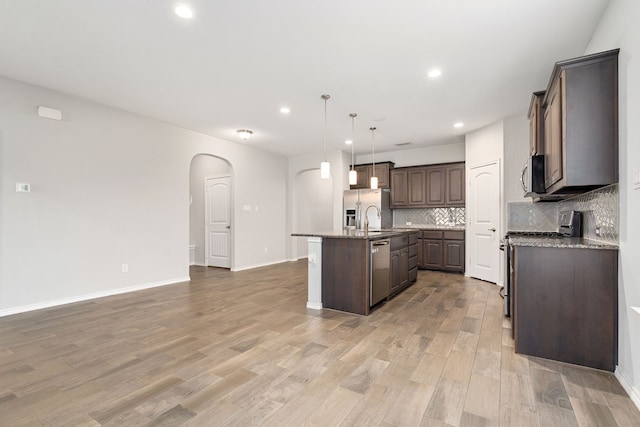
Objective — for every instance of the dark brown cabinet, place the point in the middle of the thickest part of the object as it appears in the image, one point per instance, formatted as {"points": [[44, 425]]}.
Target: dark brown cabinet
{"points": [[536, 120], [581, 124], [443, 250], [428, 186], [454, 193], [382, 171], [565, 304], [404, 253]]}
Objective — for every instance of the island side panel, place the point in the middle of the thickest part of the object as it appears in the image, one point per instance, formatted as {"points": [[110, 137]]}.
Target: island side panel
{"points": [[345, 275]]}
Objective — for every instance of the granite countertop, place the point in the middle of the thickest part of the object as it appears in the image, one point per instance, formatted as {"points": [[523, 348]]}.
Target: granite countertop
{"points": [[354, 234], [559, 242], [431, 227]]}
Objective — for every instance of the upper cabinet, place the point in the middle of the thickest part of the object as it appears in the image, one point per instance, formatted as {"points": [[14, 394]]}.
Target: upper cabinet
{"points": [[535, 123], [365, 174], [580, 124], [428, 186]]}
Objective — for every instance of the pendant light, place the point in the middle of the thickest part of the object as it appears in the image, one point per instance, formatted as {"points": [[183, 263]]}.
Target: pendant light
{"points": [[353, 175], [374, 178], [325, 169]]}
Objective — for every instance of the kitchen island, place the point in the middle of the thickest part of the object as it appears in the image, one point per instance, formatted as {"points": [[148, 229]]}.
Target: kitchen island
{"points": [[340, 267]]}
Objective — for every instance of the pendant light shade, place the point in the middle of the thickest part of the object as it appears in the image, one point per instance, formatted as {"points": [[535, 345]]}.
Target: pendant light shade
{"points": [[374, 178], [353, 175], [325, 168]]}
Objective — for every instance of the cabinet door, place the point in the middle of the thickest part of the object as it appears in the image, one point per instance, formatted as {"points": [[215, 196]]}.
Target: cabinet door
{"points": [[553, 135], [382, 172], [417, 194], [432, 254], [455, 185], [363, 176], [395, 271], [404, 266], [454, 255], [420, 262], [535, 124], [435, 186], [399, 189]]}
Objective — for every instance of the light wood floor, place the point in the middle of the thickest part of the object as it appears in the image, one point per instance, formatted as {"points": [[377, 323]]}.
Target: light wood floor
{"points": [[241, 349]]}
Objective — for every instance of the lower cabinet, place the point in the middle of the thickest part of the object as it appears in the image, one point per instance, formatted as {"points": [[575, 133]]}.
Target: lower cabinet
{"points": [[442, 250], [565, 304], [404, 262]]}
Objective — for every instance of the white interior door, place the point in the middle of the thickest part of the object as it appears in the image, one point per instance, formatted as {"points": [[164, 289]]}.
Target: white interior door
{"points": [[484, 217], [217, 214]]}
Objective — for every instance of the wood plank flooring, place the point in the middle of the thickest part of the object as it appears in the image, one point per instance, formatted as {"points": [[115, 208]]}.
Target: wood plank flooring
{"points": [[241, 349]]}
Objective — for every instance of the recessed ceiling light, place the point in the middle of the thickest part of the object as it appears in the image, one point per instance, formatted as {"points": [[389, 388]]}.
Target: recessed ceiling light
{"points": [[285, 110], [244, 134], [436, 72], [458, 125], [183, 11], [348, 142]]}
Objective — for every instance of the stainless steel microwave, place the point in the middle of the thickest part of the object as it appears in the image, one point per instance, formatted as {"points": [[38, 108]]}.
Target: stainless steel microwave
{"points": [[532, 177]]}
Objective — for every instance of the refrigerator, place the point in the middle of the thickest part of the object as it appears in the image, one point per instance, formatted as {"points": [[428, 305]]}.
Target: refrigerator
{"points": [[356, 202]]}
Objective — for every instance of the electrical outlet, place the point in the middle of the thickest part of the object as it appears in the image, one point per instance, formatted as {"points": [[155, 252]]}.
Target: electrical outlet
{"points": [[125, 268]]}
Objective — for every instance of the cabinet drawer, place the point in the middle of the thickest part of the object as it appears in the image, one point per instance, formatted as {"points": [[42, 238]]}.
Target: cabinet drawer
{"points": [[399, 242], [413, 238], [413, 261], [413, 250], [454, 235], [413, 274], [432, 234]]}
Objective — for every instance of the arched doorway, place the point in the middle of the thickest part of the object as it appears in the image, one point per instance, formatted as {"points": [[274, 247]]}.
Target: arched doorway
{"points": [[206, 168]]}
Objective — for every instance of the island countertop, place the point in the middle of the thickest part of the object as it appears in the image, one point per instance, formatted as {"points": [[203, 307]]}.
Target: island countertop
{"points": [[355, 234]]}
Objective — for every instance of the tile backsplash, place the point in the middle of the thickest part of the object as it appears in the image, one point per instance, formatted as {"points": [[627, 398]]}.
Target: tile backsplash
{"points": [[600, 214], [429, 216]]}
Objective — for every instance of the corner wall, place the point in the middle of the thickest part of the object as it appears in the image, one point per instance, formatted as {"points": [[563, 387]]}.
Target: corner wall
{"points": [[111, 188], [619, 28]]}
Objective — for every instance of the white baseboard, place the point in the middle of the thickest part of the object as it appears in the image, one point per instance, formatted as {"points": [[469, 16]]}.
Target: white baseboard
{"points": [[633, 392], [314, 305], [249, 267], [85, 297]]}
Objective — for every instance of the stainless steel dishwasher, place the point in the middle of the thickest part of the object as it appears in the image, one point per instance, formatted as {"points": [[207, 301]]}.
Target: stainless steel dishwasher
{"points": [[379, 277]]}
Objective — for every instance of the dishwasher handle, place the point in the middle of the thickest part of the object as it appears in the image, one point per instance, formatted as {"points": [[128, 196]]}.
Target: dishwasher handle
{"points": [[382, 243]]}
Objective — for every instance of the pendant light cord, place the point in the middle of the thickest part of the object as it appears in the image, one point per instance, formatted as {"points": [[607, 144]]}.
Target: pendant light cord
{"points": [[353, 137], [324, 143], [373, 150]]}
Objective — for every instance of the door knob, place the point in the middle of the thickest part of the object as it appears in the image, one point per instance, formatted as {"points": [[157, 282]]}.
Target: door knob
{"points": [[492, 229], [228, 226]]}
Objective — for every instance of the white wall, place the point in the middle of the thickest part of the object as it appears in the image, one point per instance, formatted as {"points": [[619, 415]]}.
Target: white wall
{"points": [[419, 156], [202, 166], [314, 207], [110, 187], [299, 190], [619, 29], [516, 153], [484, 146]]}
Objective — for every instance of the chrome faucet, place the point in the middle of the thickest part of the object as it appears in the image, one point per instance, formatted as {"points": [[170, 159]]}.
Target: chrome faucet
{"points": [[366, 216]]}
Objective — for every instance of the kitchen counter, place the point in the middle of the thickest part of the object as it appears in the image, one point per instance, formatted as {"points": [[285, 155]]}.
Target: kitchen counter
{"points": [[431, 227], [559, 242], [355, 234]]}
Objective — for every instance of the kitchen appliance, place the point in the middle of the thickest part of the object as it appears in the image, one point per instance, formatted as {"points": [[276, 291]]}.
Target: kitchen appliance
{"points": [[355, 203], [532, 177], [570, 223], [379, 277]]}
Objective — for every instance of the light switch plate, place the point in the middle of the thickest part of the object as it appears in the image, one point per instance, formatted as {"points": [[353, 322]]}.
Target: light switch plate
{"points": [[23, 188], [636, 180]]}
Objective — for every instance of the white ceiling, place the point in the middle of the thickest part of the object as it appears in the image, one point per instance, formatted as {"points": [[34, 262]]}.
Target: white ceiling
{"points": [[238, 61]]}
